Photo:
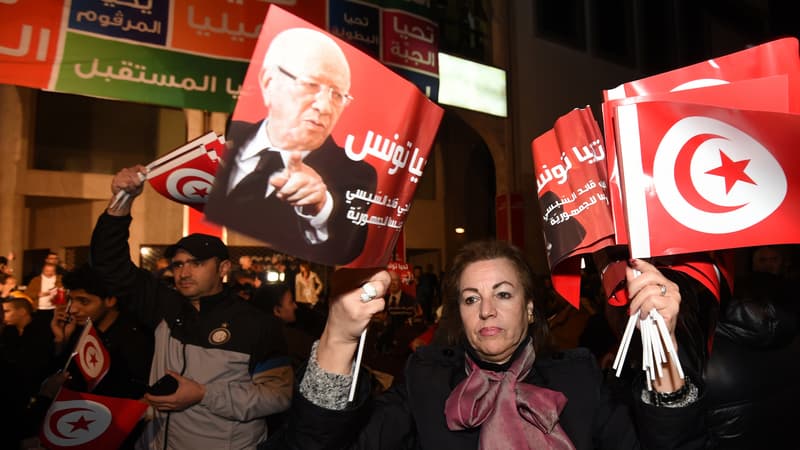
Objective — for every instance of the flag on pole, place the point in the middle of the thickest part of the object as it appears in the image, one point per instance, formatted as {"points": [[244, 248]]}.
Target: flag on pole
{"points": [[703, 82], [79, 421], [91, 356], [718, 178], [186, 174]]}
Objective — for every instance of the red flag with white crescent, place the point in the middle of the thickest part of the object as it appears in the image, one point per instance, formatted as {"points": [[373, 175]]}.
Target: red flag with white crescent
{"points": [[91, 356], [188, 173], [704, 82], [699, 178], [79, 421], [775, 93]]}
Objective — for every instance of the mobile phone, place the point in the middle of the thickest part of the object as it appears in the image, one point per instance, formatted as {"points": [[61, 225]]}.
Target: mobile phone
{"points": [[166, 385], [68, 319]]}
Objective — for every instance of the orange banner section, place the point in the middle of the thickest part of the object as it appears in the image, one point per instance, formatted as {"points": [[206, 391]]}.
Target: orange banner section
{"points": [[28, 46]]}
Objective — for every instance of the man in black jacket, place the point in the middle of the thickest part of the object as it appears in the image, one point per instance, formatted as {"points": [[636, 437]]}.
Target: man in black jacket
{"points": [[129, 344], [284, 180]]}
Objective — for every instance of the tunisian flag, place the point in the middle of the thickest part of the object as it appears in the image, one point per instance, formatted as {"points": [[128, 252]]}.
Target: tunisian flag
{"points": [[699, 178], [186, 174], [91, 356], [705, 83], [77, 420]]}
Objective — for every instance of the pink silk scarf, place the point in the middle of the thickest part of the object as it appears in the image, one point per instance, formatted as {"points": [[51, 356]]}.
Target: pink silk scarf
{"points": [[511, 414]]}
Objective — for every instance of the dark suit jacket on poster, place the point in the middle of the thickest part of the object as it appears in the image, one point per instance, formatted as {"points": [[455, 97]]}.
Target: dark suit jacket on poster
{"points": [[276, 222], [561, 238]]}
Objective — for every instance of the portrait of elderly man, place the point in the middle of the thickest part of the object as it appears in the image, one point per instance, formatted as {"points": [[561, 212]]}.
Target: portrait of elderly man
{"points": [[284, 180]]}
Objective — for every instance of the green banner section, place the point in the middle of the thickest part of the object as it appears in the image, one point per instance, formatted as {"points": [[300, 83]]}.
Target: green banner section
{"points": [[147, 74]]}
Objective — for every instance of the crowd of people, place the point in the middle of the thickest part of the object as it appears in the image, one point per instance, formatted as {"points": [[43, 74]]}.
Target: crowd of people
{"points": [[273, 368], [228, 354], [227, 335]]}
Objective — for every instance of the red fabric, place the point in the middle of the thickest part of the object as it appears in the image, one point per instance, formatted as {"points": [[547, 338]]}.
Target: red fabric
{"points": [[510, 413], [426, 337], [77, 421], [776, 57]]}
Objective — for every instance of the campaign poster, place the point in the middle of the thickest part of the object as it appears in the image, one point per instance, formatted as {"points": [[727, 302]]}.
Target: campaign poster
{"points": [[572, 187], [324, 150], [571, 182]]}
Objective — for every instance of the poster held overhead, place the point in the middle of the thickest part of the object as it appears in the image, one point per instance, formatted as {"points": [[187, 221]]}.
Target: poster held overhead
{"points": [[325, 148]]}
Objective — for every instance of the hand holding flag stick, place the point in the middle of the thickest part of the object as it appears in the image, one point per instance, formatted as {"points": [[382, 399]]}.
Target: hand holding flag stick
{"points": [[653, 330], [123, 197], [357, 296]]}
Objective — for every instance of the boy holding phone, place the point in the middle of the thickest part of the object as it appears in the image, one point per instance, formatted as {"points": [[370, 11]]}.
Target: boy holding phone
{"points": [[129, 344]]}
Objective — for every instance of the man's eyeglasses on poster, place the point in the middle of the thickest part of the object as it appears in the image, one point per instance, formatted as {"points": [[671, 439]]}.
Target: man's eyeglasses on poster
{"points": [[309, 87]]}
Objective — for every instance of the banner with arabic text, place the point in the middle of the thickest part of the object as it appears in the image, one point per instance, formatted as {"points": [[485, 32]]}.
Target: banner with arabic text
{"points": [[187, 53]]}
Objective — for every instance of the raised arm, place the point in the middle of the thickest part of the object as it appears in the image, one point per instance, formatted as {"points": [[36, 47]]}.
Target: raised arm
{"points": [[131, 181], [321, 416], [110, 253]]}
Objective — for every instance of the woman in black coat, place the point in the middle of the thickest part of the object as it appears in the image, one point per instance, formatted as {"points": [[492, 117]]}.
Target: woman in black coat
{"points": [[495, 387]]}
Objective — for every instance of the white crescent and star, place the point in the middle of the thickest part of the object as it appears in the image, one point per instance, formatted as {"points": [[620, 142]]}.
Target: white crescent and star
{"points": [[189, 185], [715, 178], [75, 422], [683, 163], [91, 357]]}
